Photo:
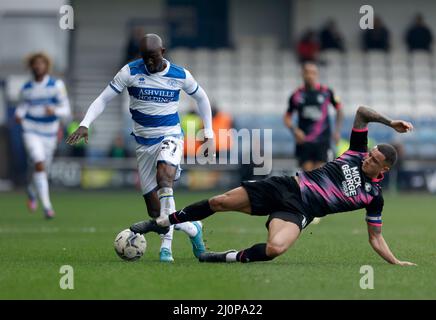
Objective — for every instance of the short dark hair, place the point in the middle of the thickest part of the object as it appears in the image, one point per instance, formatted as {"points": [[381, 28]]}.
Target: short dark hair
{"points": [[309, 62], [389, 152]]}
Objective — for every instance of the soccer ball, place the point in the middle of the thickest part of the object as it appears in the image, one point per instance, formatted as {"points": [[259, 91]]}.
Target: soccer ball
{"points": [[129, 245]]}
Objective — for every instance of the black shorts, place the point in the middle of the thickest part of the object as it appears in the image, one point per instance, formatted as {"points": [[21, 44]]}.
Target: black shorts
{"points": [[312, 151], [278, 197]]}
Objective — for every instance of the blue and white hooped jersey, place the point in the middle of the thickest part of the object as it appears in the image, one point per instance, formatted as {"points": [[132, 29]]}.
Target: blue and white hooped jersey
{"points": [[35, 98], [154, 98]]}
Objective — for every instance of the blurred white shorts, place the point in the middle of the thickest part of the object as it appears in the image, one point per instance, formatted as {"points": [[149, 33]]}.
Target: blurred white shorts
{"points": [[169, 150], [40, 148]]}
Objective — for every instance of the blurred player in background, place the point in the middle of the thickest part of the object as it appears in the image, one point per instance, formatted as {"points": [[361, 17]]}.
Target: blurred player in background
{"points": [[154, 85], [43, 101], [313, 134]]}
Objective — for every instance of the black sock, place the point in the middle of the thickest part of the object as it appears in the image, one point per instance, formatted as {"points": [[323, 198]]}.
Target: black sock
{"points": [[255, 253], [197, 211]]}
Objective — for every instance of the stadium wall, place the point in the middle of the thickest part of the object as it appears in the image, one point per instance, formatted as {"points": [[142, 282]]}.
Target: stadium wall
{"points": [[17, 18], [258, 18]]}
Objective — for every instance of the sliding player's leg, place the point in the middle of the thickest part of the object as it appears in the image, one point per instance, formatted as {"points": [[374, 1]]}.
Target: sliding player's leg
{"points": [[234, 200], [281, 235]]}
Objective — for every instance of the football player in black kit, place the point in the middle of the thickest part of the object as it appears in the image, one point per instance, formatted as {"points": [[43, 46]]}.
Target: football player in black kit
{"points": [[313, 134], [347, 183]]}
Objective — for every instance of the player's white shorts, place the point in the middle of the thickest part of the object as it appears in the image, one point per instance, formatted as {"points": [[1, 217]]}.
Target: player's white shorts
{"points": [[40, 148], [169, 150]]}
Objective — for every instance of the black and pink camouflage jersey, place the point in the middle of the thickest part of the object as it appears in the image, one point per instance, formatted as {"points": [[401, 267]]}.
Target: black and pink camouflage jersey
{"points": [[340, 185], [313, 114]]}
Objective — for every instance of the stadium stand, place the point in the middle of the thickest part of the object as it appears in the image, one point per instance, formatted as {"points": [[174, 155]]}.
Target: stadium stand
{"points": [[256, 89], [254, 80]]}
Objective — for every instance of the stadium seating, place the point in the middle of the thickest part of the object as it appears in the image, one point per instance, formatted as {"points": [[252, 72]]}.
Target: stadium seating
{"points": [[392, 81], [257, 88]]}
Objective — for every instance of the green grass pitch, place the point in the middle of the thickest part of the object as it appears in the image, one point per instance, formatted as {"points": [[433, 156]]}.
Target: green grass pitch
{"points": [[324, 263]]}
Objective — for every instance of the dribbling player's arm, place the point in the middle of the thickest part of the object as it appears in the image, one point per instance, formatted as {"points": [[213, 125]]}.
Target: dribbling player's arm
{"points": [[380, 246], [205, 111], [115, 87], [365, 115]]}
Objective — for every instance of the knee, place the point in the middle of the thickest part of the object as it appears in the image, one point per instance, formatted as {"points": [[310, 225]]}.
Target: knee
{"points": [[217, 203], [39, 166], [165, 175], [275, 249]]}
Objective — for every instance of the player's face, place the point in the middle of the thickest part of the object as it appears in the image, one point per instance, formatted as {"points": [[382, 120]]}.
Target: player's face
{"points": [[39, 67], [153, 60], [310, 74], [374, 163]]}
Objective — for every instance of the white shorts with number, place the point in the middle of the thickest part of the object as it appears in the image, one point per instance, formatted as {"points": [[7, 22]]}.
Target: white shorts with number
{"points": [[40, 148], [169, 150]]}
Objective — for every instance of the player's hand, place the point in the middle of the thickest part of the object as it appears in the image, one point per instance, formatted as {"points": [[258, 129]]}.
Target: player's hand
{"points": [[49, 111], [336, 137], [406, 263], [210, 147], [81, 132], [18, 120], [401, 126], [299, 135]]}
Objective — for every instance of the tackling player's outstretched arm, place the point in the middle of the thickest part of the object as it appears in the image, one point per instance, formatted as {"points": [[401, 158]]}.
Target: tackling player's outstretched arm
{"points": [[380, 246], [365, 115]]}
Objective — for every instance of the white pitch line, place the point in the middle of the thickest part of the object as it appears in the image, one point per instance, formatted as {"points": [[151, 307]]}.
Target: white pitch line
{"points": [[12, 230]]}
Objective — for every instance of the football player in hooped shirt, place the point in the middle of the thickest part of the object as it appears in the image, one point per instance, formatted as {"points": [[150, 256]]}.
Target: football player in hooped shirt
{"points": [[154, 84], [347, 183], [43, 104]]}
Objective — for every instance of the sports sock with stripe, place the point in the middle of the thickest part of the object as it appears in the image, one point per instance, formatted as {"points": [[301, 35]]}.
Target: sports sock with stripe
{"points": [[197, 211]]}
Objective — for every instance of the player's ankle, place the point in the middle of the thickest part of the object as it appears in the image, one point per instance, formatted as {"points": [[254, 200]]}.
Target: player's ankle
{"points": [[163, 221]]}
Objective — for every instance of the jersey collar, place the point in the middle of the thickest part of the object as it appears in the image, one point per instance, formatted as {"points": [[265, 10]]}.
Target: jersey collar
{"points": [[379, 178], [43, 82], [316, 87], [160, 73]]}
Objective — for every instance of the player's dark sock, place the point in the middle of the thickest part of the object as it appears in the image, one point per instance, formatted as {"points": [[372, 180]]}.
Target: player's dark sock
{"points": [[255, 253], [215, 256], [194, 212]]}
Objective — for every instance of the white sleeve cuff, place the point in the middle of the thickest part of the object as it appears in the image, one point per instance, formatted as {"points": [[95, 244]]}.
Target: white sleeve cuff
{"points": [[208, 133]]}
